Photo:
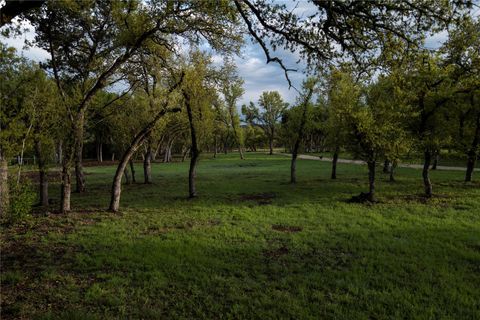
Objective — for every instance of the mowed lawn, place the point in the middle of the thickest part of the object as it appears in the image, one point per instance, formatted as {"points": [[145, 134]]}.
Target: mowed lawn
{"points": [[251, 246]]}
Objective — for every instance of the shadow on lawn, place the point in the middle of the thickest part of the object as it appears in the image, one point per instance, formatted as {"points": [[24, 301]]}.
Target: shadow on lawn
{"points": [[198, 271]]}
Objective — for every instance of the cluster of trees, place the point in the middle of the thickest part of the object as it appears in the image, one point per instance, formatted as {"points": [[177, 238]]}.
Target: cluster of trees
{"points": [[130, 75]]}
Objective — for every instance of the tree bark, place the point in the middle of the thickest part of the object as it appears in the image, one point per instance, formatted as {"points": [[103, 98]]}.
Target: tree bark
{"points": [[371, 180], [78, 132], [42, 170], [132, 169], [426, 173], [4, 190], [334, 163], [147, 166]]}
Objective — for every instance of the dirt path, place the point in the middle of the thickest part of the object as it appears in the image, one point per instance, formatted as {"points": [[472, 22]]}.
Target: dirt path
{"points": [[402, 165]]}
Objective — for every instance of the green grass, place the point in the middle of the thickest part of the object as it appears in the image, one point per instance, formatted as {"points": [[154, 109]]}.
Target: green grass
{"points": [[250, 246]]}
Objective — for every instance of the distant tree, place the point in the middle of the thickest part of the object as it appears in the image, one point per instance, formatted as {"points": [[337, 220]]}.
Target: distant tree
{"points": [[268, 117], [297, 122]]}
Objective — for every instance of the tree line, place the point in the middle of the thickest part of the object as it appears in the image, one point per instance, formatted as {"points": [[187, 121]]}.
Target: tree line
{"points": [[373, 90]]}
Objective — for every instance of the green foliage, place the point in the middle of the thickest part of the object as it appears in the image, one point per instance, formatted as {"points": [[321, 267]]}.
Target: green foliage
{"points": [[22, 198]]}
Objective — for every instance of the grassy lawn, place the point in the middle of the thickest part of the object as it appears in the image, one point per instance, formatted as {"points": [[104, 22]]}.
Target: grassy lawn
{"points": [[251, 246]]}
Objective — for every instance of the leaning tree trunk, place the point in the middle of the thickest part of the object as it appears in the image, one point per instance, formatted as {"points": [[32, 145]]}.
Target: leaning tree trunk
{"points": [[147, 165], [195, 152], [334, 163], [371, 181], [132, 169], [137, 141], [473, 151], [42, 170], [426, 173], [4, 190]]}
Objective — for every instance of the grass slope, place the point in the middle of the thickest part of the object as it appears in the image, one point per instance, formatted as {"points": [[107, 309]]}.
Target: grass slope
{"points": [[251, 246]]}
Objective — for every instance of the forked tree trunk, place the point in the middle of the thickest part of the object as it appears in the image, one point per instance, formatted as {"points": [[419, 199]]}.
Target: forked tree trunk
{"points": [[4, 190], [147, 165], [78, 132], [473, 151], [426, 173], [132, 169], [371, 181], [42, 170], [334, 163]]}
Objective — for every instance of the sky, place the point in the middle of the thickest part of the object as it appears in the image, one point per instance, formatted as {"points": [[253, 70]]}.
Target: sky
{"points": [[252, 67]]}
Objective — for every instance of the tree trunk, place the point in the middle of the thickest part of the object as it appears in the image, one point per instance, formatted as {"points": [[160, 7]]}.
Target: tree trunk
{"points": [[270, 144], [132, 169], [59, 152], [66, 187], [78, 132], [392, 170], [99, 152], [185, 153], [147, 166], [42, 170], [334, 163], [371, 181], [192, 172], [214, 148], [4, 190], [426, 173], [435, 160], [126, 175], [136, 142], [113, 156], [473, 151], [386, 166]]}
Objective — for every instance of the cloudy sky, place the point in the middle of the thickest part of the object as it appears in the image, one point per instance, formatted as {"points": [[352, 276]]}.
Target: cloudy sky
{"points": [[252, 67]]}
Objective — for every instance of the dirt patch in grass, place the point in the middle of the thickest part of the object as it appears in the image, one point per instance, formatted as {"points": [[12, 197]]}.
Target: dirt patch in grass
{"points": [[260, 198], [287, 229]]}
